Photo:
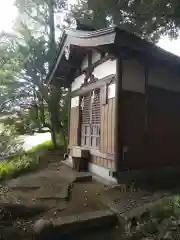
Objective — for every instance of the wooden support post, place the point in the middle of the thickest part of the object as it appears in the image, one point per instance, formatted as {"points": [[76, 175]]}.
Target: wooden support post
{"points": [[69, 114], [118, 110], [79, 123], [146, 73]]}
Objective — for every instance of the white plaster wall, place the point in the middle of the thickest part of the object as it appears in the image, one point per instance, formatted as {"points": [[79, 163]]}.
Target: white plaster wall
{"points": [[164, 78], [105, 69], [161, 77], [95, 57], [84, 63], [101, 171], [101, 71], [133, 76], [111, 90], [75, 101], [76, 84]]}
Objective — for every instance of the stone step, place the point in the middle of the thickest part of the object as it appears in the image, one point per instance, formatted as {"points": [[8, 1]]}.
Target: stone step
{"points": [[69, 224]]}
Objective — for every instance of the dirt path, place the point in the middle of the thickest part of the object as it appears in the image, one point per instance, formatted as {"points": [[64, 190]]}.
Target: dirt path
{"points": [[52, 192], [53, 188]]}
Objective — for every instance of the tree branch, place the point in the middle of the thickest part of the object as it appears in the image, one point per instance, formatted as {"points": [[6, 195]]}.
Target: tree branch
{"points": [[2, 106]]}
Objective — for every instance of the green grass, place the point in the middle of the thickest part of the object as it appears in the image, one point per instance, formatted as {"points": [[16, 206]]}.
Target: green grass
{"points": [[24, 161], [48, 145], [17, 165]]}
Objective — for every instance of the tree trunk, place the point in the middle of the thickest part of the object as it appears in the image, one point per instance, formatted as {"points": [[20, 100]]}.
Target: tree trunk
{"points": [[37, 118], [52, 43], [65, 140], [53, 137], [42, 117], [53, 133]]}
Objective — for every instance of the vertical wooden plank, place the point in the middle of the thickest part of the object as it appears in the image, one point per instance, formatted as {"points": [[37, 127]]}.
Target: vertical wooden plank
{"points": [[102, 130], [69, 117], [113, 165], [101, 120], [77, 127], [79, 122], [110, 125], [109, 164], [98, 160], [146, 76], [74, 130], [108, 130], [73, 126], [118, 110], [113, 124]]}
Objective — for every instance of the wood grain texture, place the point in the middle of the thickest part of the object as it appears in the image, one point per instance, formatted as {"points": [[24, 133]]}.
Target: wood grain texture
{"points": [[161, 146], [107, 127], [73, 128]]}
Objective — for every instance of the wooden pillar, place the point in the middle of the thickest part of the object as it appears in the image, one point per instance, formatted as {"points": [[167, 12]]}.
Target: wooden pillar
{"points": [[118, 110], [146, 75], [79, 123], [69, 114]]}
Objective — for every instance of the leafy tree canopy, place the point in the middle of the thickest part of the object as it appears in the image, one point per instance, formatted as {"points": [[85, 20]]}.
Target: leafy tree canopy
{"points": [[147, 18], [27, 55]]}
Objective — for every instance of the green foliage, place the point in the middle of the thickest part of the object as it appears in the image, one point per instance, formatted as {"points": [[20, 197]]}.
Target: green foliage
{"points": [[48, 145], [17, 165], [162, 222], [24, 162], [9, 144], [25, 123], [148, 19]]}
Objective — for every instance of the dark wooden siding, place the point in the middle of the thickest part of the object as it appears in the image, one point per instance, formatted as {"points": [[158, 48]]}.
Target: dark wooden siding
{"points": [[74, 124], [161, 145], [107, 127], [164, 127], [132, 127]]}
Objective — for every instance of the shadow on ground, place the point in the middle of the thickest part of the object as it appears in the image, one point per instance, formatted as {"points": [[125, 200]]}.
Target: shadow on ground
{"points": [[52, 193]]}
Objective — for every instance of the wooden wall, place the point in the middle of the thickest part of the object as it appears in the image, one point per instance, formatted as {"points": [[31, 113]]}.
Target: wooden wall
{"points": [[154, 143], [164, 127], [107, 163], [132, 127], [160, 146], [73, 126], [107, 124], [107, 127]]}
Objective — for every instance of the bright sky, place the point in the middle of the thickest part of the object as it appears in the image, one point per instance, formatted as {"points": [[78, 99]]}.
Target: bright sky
{"points": [[8, 13]]}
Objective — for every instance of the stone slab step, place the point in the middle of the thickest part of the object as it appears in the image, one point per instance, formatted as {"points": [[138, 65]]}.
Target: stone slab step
{"points": [[78, 223]]}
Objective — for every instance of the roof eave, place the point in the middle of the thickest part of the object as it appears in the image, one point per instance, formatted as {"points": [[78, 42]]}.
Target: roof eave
{"points": [[81, 39]]}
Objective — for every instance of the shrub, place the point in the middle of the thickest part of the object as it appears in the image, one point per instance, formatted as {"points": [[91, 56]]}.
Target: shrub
{"points": [[21, 124], [163, 222], [24, 161]]}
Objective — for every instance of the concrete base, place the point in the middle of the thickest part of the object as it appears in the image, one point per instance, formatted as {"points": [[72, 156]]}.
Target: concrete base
{"points": [[68, 162], [101, 174]]}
